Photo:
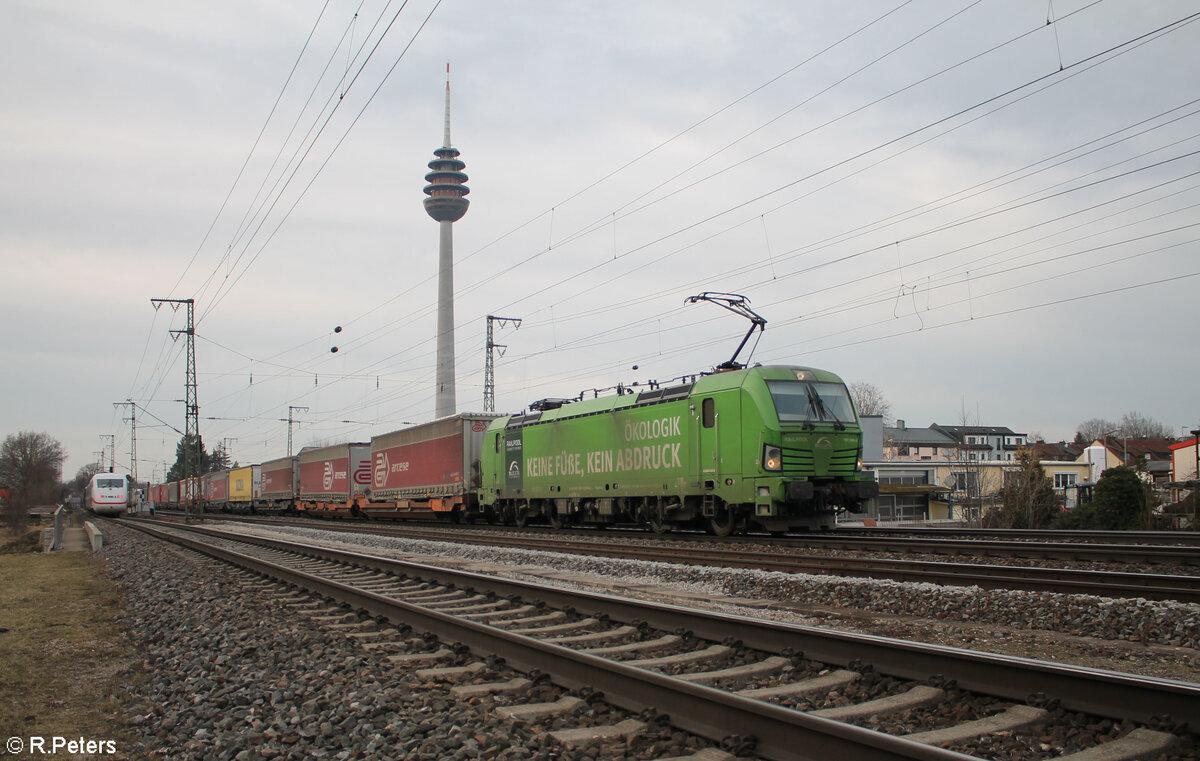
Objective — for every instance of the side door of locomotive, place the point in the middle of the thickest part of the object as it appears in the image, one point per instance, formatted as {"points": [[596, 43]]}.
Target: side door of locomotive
{"points": [[718, 450]]}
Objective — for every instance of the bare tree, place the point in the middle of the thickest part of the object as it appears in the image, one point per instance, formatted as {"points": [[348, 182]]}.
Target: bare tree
{"points": [[1096, 428], [30, 464], [869, 400], [1135, 425], [83, 477]]}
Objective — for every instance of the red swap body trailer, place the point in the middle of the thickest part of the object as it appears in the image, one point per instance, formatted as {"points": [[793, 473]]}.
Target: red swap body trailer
{"points": [[328, 483], [279, 485], [429, 470], [215, 490]]}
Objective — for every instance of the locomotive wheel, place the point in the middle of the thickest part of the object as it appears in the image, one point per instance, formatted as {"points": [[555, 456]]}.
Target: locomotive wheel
{"points": [[655, 521], [520, 518], [557, 519], [723, 522]]}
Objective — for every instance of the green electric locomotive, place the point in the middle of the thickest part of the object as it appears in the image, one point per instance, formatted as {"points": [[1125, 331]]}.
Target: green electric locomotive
{"points": [[778, 448]]}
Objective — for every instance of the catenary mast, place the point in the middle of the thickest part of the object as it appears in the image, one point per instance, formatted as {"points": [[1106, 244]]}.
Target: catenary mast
{"points": [[447, 205]]}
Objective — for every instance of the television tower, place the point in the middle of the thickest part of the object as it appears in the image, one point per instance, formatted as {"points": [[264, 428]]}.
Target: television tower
{"points": [[446, 204]]}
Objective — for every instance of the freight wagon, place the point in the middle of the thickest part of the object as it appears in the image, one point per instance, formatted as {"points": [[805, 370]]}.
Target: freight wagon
{"points": [[429, 470], [333, 480], [279, 485], [244, 485], [779, 447], [214, 490]]}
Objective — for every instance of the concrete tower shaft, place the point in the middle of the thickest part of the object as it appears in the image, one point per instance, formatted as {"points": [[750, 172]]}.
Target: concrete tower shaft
{"points": [[447, 205]]}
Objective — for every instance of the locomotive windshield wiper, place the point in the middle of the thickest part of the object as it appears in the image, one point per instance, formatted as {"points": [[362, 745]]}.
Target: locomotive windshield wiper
{"points": [[817, 404]]}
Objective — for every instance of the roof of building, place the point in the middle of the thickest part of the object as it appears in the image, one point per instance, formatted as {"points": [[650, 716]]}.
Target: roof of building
{"points": [[976, 430], [1132, 450], [1062, 451], [916, 437]]}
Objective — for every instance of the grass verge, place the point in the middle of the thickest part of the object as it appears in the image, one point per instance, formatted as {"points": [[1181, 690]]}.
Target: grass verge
{"points": [[63, 655]]}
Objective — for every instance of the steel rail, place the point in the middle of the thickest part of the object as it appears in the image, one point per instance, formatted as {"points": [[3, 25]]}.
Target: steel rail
{"points": [[1108, 553], [780, 733], [1187, 538], [1105, 693]]}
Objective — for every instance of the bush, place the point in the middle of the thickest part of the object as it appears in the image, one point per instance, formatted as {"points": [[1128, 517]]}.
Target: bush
{"points": [[1119, 504]]}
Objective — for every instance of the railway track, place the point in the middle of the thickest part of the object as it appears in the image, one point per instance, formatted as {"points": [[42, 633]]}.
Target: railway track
{"points": [[1130, 548], [1184, 538], [1104, 583], [719, 676]]}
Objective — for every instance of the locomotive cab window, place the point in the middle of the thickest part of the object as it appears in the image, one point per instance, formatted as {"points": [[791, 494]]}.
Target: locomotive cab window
{"points": [[811, 402], [708, 412]]}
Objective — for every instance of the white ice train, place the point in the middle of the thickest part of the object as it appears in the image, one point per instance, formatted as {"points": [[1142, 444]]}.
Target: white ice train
{"points": [[108, 494]]}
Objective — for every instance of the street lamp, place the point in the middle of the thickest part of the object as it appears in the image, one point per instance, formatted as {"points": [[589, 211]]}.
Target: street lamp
{"points": [[1196, 449]]}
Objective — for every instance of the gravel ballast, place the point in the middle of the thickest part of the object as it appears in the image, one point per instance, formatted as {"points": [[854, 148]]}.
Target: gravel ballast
{"points": [[227, 672]]}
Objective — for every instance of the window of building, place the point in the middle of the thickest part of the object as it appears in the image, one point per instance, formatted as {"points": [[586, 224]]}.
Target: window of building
{"points": [[965, 478], [904, 477], [1063, 480], [899, 507]]}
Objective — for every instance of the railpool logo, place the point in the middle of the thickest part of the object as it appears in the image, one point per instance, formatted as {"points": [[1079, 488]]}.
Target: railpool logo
{"points": [[381, 469]]}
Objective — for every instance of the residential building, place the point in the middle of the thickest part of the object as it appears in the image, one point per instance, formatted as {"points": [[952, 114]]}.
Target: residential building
{"points": [[1184, 461], [904, 443], [984, 442], [1151, 456], [927, 474]]}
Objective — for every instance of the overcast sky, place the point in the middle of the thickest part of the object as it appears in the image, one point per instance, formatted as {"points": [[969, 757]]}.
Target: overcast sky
{"points": [[991, 218]]}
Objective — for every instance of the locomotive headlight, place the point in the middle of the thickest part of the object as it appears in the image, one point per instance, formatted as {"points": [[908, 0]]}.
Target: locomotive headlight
{"points": [[772, 458]]}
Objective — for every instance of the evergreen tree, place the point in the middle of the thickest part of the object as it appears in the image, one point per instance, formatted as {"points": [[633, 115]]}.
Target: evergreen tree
{"points": [[1121, 499], [1118, 504], [186, 452], [1028, 498], [218, 460]]}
